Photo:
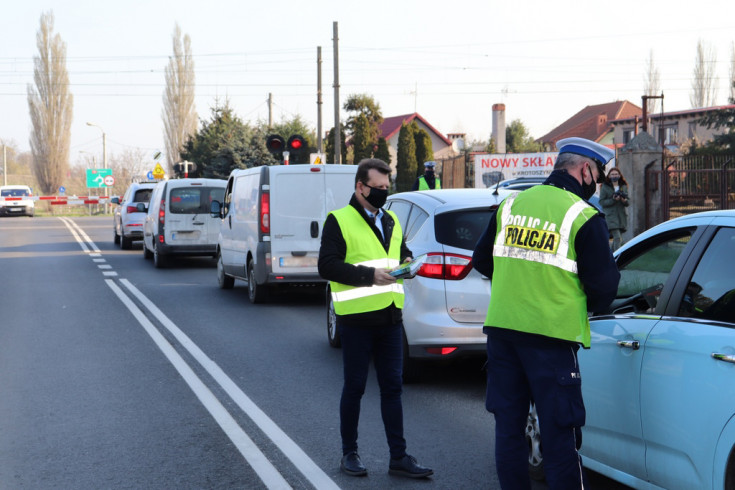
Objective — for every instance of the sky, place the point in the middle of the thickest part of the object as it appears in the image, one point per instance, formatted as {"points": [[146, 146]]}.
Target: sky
{"points": [[448, 61]]}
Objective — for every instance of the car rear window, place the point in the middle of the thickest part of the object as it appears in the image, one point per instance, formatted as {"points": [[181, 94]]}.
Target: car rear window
{"points": [[194, 200], [461, 228], [142, 195]]}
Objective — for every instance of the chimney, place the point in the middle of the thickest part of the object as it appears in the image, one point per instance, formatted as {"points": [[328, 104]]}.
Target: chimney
{"points": [[498, 134]]}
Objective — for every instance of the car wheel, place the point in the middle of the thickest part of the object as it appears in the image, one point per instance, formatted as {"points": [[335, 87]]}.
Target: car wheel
{"points": [[335, 340], [533, 438], [256, 293], [147, 254], [126, 243], [411, 367], [223, 280], [159, 260], [116, 239]]}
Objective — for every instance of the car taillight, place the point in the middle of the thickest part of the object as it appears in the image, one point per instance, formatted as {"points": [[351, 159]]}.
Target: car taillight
{"points": [[131, 209], [451, 267], [265, 213], [162, 212]]}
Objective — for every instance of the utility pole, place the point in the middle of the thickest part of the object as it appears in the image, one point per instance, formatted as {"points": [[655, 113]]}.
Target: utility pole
{"points": [[644, 103], [337, 139], [270, 110], [319, 99]]}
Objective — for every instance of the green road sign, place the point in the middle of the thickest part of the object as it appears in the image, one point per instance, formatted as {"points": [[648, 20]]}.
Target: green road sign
{"points": [[96, 177]]}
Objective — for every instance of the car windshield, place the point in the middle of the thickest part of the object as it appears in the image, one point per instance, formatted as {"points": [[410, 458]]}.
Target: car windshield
{"points": [[461, 228], [14, 192], [195, 200]]}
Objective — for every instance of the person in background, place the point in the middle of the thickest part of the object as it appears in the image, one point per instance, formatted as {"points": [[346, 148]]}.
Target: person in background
{"points": [[427, 181], [546, 252], [614, 201], [360, 244]]}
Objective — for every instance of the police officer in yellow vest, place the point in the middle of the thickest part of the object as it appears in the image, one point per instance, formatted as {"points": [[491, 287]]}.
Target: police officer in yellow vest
{"points": [[546, 252], [427, 181], [360, 244]]}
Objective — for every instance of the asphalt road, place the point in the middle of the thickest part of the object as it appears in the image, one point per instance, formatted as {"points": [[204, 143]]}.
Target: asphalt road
{"points": [[114, 374]]}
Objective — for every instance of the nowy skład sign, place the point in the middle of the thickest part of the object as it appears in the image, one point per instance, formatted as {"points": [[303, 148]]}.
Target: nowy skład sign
{"points": [[491, 169]]}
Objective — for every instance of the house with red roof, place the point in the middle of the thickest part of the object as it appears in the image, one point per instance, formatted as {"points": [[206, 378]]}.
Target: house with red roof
{"points": [[391, 127], [594, 122]]}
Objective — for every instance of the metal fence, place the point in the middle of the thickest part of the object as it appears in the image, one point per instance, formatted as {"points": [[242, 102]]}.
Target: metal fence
{"points": [[687, 185]]}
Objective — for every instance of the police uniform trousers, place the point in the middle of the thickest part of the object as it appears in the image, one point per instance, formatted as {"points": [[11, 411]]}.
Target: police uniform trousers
{"points": [[548, 374], [384, 345]]}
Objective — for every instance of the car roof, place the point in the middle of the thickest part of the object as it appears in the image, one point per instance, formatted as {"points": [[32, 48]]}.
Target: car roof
{"points": [[432, 199]]}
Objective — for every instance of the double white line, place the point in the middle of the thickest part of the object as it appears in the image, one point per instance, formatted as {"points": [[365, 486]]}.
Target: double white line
{"points": [[252, 454]]}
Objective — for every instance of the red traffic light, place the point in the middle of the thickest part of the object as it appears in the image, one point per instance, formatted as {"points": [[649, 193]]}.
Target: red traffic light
{"points": [[296, 143], [275, 143]]}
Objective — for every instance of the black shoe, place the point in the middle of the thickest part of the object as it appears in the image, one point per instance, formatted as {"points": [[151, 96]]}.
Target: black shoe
{"points": [[352, 465], [408, 466]]}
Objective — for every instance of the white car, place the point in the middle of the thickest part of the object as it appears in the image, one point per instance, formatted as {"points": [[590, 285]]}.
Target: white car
{"points": [[129, 216], [14, 201]]}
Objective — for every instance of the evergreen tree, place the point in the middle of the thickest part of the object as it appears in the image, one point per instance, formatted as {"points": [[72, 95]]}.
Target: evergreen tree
{"points": [[329, 145], [518, 140], [424, 148], [724, 142], [406, 164], [362, 144], [382, 152]]}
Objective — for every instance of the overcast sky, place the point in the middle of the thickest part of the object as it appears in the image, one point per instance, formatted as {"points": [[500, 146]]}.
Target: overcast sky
{"points": [[448, 61]]}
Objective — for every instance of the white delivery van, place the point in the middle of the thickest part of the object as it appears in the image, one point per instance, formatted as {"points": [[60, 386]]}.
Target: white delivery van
{"points": [[16, 200], [272, 218], [179, 222]]}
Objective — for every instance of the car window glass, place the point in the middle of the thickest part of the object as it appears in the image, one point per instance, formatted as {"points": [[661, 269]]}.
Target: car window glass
{"points": [[416, 219], [461, 228], [710, 294], [194, 200], [227, 198], [143, 195], [648, 271], [402, 210]]}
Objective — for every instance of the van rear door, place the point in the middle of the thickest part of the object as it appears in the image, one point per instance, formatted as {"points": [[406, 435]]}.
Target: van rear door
{"points": [[299, 203]]}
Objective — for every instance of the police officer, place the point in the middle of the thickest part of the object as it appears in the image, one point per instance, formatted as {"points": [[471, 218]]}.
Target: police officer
{"points": [[427, 181], [360, 244], [546, 251]]}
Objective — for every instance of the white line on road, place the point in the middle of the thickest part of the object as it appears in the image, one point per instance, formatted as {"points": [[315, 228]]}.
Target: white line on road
{"points": [[257, 460], [77, 231], [292, 450]]}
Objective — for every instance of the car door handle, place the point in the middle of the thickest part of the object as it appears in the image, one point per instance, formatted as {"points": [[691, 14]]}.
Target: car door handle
{"points": [[723, 357], [314, 229], [629, 344]]}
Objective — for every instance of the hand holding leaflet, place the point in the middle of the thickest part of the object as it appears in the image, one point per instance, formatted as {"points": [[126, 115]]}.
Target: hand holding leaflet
{"points": [[409, 270]]}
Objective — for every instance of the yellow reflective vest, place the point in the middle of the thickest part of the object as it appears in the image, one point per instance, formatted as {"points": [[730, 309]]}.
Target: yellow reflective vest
{"points": [[364, 248], [423, 186], [535, 286]]}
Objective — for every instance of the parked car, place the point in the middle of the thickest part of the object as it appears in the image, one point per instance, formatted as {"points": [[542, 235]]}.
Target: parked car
{"points": [[129, 216], [17, 202], [272, 218], [178, 221], [446, 303], [659, 379]]}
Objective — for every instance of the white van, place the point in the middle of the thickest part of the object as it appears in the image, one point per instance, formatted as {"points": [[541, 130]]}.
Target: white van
{"points": [[16, 200], [272, 219], [178, 221]]}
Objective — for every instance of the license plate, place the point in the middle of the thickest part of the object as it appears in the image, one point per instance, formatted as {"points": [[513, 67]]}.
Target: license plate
{"points": [[297, 261]]}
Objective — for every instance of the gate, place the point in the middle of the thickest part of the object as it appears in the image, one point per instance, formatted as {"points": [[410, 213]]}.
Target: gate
{"points": [[689, 185], [457, 173]]}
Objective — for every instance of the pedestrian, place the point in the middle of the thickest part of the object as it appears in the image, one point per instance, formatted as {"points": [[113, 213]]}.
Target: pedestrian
{"points": [[360, 244], [614, 199], [427, 181], [546, 252]]}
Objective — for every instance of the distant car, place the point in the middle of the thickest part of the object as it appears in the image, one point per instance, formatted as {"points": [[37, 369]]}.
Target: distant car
{"points": [[129, 216], [17, 203], [518, 184], [659, 379], [446, 303]]}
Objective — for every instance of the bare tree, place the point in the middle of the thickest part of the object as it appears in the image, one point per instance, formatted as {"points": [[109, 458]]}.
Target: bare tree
{"points": [[652, 84], [704, 90], [179, 114], [50, 104], [732, 74]]}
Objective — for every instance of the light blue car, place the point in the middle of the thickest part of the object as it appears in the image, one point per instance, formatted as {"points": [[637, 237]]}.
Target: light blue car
{"points": [[659, 380]]}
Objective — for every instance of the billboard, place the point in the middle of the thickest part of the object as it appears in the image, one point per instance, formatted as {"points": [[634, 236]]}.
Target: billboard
{"points": [[492, 168]]}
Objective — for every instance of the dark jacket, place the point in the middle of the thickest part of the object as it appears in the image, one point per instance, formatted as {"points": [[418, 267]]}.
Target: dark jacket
{"points": [[332, 266], [596, 267]]}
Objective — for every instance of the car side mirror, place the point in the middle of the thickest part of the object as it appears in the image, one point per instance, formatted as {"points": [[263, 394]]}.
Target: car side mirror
{"points": [[215, 209], [115, 200]]}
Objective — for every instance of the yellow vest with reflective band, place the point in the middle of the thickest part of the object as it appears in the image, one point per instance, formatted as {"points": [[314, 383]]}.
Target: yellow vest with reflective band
{"points": [[423, 186], [535, 287], [364, 248]]}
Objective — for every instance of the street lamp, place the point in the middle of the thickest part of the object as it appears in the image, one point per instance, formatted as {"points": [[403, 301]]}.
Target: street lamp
{"points": [[104, 156]]}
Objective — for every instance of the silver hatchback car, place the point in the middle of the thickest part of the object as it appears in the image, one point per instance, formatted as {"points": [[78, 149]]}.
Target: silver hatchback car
{"points": [[446, 302]]}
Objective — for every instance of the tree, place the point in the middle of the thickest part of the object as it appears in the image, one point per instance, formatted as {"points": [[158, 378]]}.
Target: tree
{"points": [[406, 164], [365, 117], [178, 114], [704, 90], [329, 145], [652, 84], [724, 142], [517, 139], [50, 105], [383, 152], [424, 148], [732, 72], [362, 144]]}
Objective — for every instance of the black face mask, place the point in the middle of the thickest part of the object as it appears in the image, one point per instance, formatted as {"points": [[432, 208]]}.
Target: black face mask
{"points": [[377, 197], [588, 190], [429, 174]]}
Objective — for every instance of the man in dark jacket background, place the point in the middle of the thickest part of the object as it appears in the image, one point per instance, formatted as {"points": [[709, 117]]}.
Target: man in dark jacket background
{"points": [[368, 302]]}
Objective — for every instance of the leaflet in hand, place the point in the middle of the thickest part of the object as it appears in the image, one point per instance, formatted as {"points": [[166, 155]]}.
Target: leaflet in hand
{"points": [[409, 270]]}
